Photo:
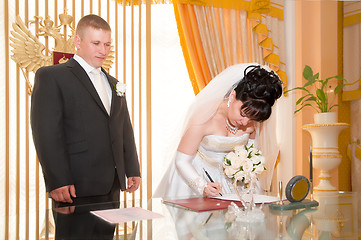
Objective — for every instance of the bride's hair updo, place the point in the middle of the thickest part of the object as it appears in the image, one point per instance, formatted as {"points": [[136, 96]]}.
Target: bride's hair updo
{"points": [[258, 91]]}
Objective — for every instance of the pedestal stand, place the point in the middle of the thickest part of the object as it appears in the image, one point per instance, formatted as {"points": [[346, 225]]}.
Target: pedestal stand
{"points": [[324, 133]]}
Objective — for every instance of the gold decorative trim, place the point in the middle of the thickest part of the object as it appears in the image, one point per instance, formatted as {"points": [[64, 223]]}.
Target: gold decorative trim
{"points": [[264, 7], [326, 125], [323, 153], [351, 95], [327, 156], [323, 148]]}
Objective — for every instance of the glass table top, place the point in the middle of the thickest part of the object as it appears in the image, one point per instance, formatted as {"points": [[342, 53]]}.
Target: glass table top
{"points": [[336, 217]]}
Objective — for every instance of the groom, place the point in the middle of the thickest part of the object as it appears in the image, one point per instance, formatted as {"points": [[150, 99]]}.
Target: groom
{"points": [[81, 127]]}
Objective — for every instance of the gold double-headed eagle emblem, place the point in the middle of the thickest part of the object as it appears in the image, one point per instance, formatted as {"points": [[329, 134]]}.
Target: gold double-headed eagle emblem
{"points": [[30, 53]]}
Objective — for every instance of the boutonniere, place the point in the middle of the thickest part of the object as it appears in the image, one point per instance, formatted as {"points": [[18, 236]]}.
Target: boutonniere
{"points": [[120, 89]]}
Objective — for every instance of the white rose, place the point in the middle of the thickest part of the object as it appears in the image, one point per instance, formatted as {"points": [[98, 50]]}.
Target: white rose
{"points": [[229, 171], [231, 156], [259, 169], [121, 87], [247, 166], [237, 163], [241, 152], [262, 159], [239, 175], [256, 159]]}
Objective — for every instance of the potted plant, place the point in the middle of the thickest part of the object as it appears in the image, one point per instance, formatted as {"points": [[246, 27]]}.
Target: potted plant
{"points": [[318, 100], [325, 131]]}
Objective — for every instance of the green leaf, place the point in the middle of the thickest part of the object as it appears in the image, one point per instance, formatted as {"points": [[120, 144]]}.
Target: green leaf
{"points": [[338, 88], [338, 77], [307, 72], [298, 88], [310, 82], [306, 105], [300, 100], [228, 162], [321, 95], [335, 105], [311, 97]]}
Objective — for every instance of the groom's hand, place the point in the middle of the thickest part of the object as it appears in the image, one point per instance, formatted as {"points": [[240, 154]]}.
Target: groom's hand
{"points": [[212, 189], [63, 194], [133, 184]]}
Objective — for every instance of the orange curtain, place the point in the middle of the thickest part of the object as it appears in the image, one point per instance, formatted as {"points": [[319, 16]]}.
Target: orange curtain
{"points": [[137, 2], [218, 33]]}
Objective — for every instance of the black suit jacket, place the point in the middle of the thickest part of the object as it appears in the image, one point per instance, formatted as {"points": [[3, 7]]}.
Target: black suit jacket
{"points": [[77, 142]]}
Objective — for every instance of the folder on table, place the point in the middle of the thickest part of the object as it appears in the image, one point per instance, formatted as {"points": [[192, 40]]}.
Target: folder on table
{"points": [[201, 203]]}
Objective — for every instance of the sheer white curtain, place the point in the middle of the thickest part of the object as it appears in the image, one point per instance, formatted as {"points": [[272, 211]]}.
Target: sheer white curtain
{"points": [[171, 89]]}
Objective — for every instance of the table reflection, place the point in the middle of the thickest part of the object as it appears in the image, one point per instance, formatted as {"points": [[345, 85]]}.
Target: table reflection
{"points": [[334, 218], [77, 222]]}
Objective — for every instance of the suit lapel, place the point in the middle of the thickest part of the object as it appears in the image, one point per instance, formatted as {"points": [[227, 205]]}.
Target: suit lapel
{"points": [[115, 98], [83, 77]]}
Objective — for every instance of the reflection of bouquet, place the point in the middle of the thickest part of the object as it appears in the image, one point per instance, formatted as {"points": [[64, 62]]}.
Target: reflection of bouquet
{"points": [[243, 164]]}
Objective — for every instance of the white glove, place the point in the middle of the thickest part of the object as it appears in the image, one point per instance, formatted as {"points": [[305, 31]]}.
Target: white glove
{"points": [[183, 163]]}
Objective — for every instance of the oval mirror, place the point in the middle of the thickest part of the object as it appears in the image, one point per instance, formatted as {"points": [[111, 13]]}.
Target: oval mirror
{"points": [[297, 188]]}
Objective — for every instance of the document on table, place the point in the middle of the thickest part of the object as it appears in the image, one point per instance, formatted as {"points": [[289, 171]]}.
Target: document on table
{"points": [[258, 198], [126, 214]]}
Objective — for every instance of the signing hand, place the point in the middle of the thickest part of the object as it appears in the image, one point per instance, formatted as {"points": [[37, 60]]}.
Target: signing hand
{"points": [[132, 184], [212, 189], [64, 194]]}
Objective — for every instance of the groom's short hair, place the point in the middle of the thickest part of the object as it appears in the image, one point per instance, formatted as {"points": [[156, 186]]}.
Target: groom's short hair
{"points": [[93, 21]]}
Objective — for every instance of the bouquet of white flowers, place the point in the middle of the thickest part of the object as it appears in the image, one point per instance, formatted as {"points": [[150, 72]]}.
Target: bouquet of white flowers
{"points": [[243, 164]]}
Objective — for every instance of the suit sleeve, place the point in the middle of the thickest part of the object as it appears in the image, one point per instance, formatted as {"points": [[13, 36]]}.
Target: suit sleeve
{"points": [[47, 126], [130, 151]]}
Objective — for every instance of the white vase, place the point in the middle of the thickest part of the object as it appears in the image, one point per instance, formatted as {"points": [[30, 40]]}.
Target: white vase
{"points": [[324, 133]]}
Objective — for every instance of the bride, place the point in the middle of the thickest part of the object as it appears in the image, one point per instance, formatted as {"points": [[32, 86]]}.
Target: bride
{"points": [[226, 113]]}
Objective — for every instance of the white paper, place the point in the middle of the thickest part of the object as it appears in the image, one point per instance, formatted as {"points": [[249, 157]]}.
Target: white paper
{"points": [[258, 198], [120, 215]]}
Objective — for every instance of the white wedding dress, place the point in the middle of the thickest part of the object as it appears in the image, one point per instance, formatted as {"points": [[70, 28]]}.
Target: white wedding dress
{"points": [[213, 148], [210, 157]]}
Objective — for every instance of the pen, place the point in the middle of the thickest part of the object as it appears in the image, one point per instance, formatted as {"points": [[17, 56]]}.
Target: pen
{"points": [[210, 179], [209, 217]]}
